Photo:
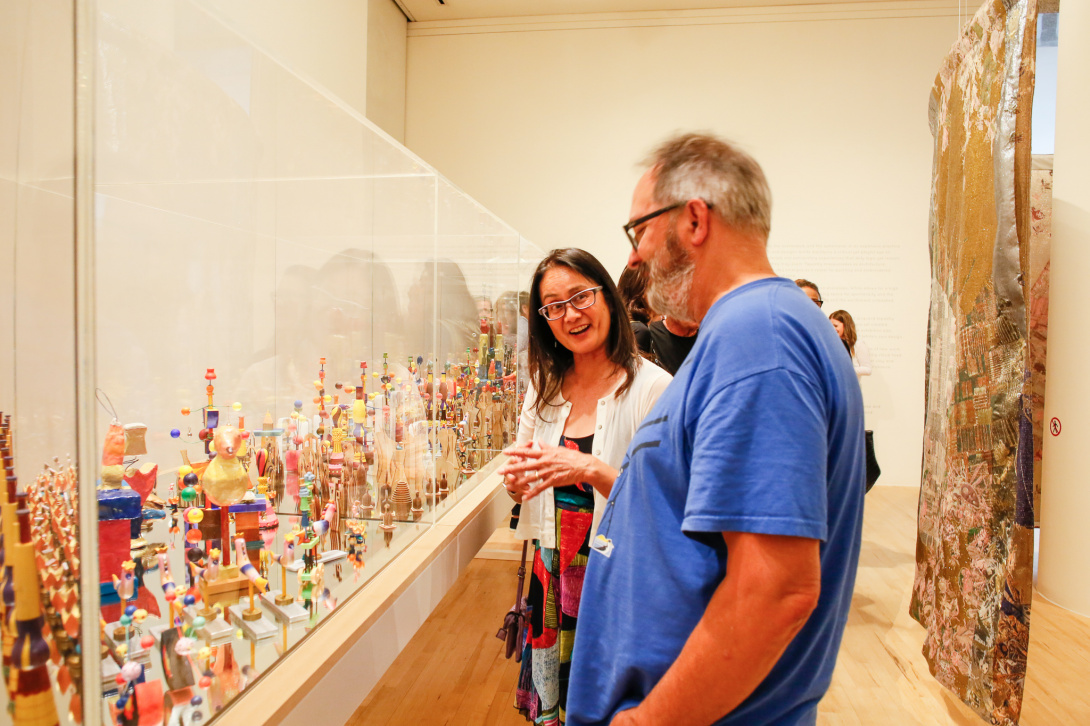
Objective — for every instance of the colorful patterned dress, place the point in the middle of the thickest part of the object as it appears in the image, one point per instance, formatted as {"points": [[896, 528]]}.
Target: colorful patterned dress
{"points": [[556, 584]]}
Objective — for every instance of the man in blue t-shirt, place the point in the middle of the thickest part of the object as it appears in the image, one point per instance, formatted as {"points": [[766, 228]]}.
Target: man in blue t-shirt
{"points": [[720, 578]]}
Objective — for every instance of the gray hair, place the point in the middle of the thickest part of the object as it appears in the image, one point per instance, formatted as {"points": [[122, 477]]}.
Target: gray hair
{"points": [[702, 166]]}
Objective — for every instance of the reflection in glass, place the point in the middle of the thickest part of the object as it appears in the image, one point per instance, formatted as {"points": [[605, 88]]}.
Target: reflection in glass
{"points": [[317, 355]]}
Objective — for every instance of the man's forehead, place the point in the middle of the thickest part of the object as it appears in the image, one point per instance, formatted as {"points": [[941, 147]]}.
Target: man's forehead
{"points": [[643, 196]]}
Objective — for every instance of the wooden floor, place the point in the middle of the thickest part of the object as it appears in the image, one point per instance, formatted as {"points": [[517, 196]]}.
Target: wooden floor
{"points": [[453, 670]]}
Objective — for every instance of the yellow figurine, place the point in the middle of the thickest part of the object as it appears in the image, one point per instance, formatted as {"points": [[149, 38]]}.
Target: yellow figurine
{"points": [[225, 480]]}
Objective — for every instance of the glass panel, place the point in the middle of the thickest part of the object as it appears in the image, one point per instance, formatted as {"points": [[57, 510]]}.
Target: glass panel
{"points": [[529, 257], [39, 502], [281, 289], [477, 311]]}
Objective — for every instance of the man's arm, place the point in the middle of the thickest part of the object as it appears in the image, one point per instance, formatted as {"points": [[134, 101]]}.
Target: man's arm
{"points": [[772, 586]]}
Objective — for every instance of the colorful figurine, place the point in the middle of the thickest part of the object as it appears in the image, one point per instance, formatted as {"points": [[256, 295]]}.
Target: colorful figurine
{"points": [[32, 696], [225, 480]]}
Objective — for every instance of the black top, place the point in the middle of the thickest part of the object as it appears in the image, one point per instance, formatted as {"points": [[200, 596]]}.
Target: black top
{"points": [[579, 494], [643, 337], [582, 444], [669, 350]]}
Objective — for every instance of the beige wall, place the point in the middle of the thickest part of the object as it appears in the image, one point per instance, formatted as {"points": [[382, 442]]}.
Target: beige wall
{"points": [[386, 43], [37, 326], [1065, 498], [324, 40], [543, 120], [354, 49]]}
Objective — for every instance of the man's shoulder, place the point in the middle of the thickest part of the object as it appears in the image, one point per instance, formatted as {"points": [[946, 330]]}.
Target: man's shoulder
{"points": [[760, 328]]}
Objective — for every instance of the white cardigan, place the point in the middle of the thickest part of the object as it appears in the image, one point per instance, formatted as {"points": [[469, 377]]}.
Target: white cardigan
{"points": [[616, 422]]}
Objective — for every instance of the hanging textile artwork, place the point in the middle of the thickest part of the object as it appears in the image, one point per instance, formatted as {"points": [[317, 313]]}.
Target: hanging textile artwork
{"points": [[1040, 244], [974, 548]]}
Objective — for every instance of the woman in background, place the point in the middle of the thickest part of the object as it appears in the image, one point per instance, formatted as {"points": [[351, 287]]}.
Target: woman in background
{"points": [[632, 286], [589, 392], [661, 339], [857, 349], [845, 328]]}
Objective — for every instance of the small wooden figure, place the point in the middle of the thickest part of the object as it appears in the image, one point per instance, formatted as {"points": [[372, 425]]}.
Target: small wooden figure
{"points": [[388, 526]]}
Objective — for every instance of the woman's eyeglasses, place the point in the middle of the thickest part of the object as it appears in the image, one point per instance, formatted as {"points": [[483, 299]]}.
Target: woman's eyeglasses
{"points": [[580, 301]]}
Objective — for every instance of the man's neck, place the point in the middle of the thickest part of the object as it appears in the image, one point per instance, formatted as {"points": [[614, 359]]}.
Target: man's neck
{"points": [[745, 262], [679, 328]]}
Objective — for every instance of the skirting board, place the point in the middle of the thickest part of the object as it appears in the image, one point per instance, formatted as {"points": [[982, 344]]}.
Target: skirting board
{"points": [[327, 676]]}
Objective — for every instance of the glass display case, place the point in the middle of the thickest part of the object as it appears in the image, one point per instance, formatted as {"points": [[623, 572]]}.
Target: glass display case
{"points": [[294, 343]]}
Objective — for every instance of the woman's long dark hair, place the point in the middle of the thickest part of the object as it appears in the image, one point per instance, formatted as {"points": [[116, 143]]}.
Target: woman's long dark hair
{"points": [[850, 336], [549, 360], [632, 287]]}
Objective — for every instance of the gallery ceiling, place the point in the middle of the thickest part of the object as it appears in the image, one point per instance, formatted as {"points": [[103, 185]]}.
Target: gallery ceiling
{"points": [[423, 10]]}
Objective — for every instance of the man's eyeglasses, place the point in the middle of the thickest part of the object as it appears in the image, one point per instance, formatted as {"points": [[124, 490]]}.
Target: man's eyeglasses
{"points": [[630, 228], [580, 301]]}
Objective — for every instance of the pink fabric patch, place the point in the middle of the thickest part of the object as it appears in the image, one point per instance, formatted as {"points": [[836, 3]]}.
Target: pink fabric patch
{"points": [[571, 589]]}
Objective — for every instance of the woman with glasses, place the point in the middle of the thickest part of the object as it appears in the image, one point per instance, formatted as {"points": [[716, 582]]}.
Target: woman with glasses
{"points": [[589, 392], [811, 290]]}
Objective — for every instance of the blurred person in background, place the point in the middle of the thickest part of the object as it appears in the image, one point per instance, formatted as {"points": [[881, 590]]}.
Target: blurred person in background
{"points": [[857, 349], [632, 285], [662, 339], [811, 291]]}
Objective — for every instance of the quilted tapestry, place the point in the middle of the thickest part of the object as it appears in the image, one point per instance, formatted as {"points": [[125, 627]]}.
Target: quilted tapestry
{"points": [[1040, 245], [974, 548]]}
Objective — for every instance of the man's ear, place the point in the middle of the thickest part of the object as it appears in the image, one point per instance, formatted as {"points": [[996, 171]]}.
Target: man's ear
{"points": [[698, 221]]}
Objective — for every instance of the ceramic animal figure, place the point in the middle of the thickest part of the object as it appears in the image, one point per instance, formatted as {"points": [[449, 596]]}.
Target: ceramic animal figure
{"points": [[321, 527], [113, 456], [165, 578], [247, 569], [212, 572], [226, 480], [291, 475], [288, 555], [321, 592], [126, 584]]}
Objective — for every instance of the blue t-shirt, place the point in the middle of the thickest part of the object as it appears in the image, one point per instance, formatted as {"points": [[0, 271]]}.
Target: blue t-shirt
{"points": [[760, 431]]}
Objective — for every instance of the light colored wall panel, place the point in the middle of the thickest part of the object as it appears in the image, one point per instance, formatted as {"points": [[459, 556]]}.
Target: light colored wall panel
{"points": [[546, 126], [37, 357], [324, 40], [1065, 498], [7, 302], [386, 47]]}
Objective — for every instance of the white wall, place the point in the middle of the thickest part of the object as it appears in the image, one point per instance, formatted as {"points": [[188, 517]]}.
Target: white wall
{"points": [[544, 119], [1065, 498], [353, 48], [322, 39], [37, 324], [386, 47]]}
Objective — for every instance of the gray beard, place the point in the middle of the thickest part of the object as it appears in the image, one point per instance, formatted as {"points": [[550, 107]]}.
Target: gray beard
{"points": [[669, 290]]}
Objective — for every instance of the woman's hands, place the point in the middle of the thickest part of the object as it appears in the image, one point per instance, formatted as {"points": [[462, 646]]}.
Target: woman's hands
{"points": [[533, 468]]}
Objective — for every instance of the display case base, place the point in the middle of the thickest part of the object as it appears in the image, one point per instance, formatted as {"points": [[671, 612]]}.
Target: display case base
{"points": [[136, 652], [285, 614], [255, 630], [214, 632], [325, 558], [110, 672]]}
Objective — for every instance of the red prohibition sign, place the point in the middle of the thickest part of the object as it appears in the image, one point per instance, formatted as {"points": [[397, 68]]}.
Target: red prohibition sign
{"points": [[1054, 426]]}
